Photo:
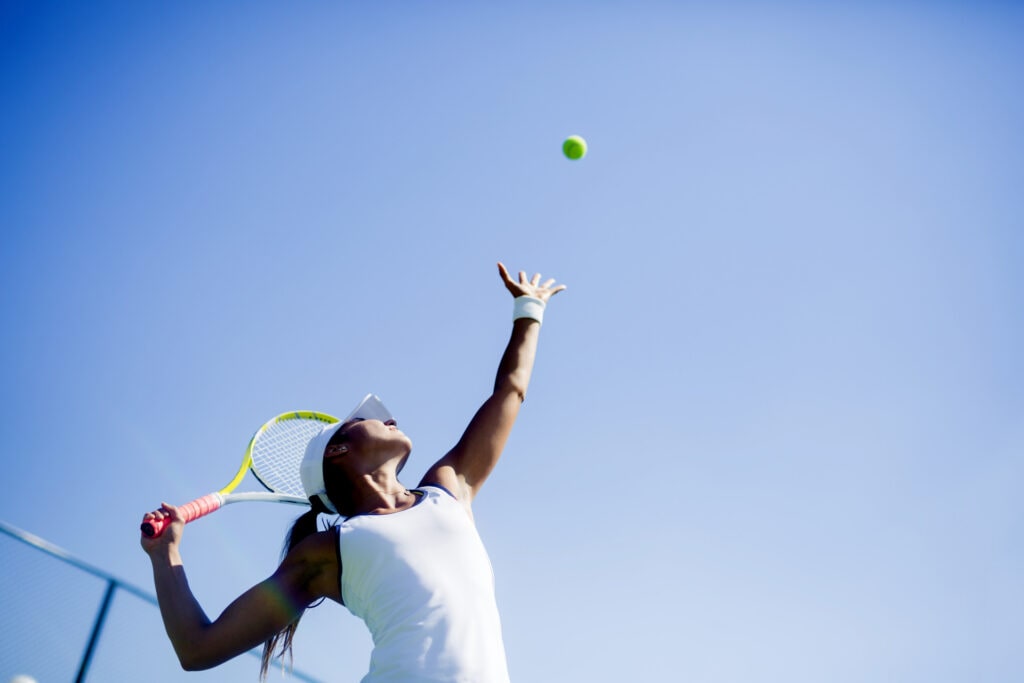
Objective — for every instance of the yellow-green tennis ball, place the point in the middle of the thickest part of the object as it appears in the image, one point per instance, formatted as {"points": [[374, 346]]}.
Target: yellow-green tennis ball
{"points": [[574, 147]]}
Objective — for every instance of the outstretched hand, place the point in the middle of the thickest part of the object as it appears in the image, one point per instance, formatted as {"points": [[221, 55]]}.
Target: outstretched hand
{"points": [[529, 287]]}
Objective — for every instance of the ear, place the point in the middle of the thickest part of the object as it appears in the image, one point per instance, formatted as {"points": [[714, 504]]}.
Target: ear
{"points": [[337, 449]]}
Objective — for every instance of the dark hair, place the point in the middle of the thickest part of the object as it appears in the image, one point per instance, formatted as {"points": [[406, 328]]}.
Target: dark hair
{"points": [[304, 526], [337, 486], [339, 491]]}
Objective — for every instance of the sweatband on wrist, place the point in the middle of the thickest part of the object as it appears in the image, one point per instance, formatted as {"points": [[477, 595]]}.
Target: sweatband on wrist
{"points": [[528, 307]]}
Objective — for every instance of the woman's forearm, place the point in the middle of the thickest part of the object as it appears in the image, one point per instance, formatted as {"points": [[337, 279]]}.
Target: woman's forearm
{"points": [[516, 364], [184, 619]]}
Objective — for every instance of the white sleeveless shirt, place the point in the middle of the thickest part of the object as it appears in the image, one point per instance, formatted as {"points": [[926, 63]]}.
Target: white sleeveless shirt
{"points": [[422, 582]]}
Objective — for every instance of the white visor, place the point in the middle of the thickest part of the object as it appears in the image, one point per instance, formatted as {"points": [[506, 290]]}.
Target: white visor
{"points": [[312, 469]]}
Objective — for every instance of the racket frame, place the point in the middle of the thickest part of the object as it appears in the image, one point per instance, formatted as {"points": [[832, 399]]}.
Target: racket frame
{"points": [[200, 507]]}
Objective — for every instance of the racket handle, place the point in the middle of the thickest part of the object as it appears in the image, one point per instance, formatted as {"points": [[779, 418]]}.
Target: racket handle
{"points": [[200, 507]]}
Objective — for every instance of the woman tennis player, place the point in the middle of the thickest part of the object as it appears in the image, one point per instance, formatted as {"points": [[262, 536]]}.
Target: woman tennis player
{"points": [[409, 562]]}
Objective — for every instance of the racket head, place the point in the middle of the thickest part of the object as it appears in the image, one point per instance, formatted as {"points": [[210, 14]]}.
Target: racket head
{"points": [[276, 449]]}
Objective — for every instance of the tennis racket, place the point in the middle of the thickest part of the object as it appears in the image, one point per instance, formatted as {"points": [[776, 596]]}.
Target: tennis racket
{"points": [[274, 455]]}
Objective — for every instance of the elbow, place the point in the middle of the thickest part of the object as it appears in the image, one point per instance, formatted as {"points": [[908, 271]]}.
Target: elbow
{"points": [[190, 663], [513, 384], [194, 664], [194, 659], [512, 387]]}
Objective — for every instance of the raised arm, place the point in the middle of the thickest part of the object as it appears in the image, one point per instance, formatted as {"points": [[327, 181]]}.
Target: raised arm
{"points": [[310, 571], [464, 469]]}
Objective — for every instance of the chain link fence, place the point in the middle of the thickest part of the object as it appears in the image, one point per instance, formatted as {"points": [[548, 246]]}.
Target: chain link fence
{"points": [[62, 620]]}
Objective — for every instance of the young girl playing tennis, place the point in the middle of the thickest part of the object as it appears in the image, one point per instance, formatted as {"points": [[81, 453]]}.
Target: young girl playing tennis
{"points": [[407, 562]]}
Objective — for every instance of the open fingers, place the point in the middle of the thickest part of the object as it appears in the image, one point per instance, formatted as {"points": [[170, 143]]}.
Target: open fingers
{"points": [[529, 285]]}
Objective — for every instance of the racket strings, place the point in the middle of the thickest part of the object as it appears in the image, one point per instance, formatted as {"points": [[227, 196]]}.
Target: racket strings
{"points": [[278, 450]]}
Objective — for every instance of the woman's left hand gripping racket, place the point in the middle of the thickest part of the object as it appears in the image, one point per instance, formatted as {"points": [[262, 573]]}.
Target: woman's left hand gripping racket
{"points": [[274, 455]]}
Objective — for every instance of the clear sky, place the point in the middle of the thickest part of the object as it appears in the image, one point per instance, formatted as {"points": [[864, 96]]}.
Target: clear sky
{"points": [[776, 425]]}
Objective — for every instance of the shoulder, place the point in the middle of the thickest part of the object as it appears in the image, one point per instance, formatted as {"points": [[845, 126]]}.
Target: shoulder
{"points": [[313, 565], [444, 477], [450, 490], [318, 548]]}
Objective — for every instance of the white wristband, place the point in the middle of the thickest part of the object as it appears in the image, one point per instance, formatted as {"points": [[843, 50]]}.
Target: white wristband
{"points": [[528, 307]]}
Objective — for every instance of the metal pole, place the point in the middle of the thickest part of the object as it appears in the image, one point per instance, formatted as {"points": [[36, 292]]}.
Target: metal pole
{"points": [[112, 583], [96, 629]]}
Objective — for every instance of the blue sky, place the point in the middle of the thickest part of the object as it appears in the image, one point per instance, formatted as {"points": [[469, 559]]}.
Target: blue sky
{"points": [[775, 428]]}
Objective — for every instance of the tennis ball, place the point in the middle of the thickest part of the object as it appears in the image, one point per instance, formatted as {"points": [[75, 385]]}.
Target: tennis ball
{"points": [[574, 147]]}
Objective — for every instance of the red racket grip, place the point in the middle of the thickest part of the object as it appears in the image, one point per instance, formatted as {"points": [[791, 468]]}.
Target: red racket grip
{"points": [[199, 507]]}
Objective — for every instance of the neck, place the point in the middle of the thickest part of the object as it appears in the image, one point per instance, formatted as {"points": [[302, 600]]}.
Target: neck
{"points": [[381, 493]]}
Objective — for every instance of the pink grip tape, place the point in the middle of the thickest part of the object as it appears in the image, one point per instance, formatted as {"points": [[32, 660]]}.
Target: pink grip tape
{"points": [[190, 511]]}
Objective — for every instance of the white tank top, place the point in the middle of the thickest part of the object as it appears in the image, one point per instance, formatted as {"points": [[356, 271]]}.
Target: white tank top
{"points": [[422, 582]]}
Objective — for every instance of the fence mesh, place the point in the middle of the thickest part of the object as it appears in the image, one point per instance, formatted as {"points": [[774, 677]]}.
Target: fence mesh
{"points": [[51, 605]]}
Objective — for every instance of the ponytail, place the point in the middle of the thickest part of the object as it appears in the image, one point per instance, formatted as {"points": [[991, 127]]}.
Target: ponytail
{"points": [[304, 526]]}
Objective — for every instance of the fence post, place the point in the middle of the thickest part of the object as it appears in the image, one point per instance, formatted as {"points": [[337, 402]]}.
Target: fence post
{"points": [[97, 627]]}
